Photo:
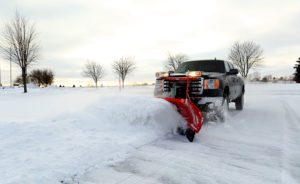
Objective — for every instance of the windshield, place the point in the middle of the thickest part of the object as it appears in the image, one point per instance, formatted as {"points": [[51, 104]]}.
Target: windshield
{"points": [[205, 66]]}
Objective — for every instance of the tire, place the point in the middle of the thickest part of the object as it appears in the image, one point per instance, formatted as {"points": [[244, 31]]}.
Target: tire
{"points": [[239, 103], [190, 134]]}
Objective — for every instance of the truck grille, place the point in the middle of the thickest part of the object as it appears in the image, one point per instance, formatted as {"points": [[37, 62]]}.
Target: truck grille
{"points": [[178, 88], [196, 88]]}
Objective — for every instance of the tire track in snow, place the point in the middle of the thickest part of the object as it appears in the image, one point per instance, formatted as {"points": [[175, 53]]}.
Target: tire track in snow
{"points": [[120, 167], [291, 161]]}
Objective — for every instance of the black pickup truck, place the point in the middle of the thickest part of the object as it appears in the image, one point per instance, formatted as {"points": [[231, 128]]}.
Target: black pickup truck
{"points": [[216, 86]]}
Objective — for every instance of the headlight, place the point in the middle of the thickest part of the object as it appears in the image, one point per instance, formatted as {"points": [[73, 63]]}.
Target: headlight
{"points": [[194, 74], [161, 74], [211, 84]]}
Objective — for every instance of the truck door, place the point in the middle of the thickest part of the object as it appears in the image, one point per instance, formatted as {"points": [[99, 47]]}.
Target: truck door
{"points": [[236, 81], [230, 81]]}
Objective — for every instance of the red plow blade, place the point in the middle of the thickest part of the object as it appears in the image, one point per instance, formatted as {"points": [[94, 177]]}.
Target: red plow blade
{"points": [[189, 111]]}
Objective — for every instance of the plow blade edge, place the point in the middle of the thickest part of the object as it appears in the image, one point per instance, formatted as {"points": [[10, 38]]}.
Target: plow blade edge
{"points": [[191, 113]]}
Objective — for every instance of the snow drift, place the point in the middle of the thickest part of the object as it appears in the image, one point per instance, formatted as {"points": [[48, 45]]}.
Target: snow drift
{"points": [[78, 134]]}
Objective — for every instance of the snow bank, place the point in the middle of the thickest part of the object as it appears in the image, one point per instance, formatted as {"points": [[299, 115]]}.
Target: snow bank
{"points": [[48, 136]]}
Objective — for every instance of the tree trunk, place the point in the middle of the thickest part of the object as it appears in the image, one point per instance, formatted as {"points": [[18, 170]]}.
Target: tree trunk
{"points": [[122, 83], [24, 77], [96, 82]]}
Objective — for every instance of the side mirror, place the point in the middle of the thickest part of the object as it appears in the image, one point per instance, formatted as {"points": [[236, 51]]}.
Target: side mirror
{"points": [[233, 72]]}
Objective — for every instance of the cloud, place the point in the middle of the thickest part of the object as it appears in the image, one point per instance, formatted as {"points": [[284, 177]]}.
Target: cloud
{"points": [[72, 31]]}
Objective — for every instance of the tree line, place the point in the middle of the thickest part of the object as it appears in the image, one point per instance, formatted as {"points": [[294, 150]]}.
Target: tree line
{"points": [[122, 68], [297, 72], [257, 77], [20, 46]]}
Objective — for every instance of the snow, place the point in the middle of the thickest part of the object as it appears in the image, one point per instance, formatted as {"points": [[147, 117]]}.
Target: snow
{"points": [[77, 135]]}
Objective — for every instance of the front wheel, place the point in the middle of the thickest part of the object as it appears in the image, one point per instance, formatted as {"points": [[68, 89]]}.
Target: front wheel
{"points": [[239, 103]]}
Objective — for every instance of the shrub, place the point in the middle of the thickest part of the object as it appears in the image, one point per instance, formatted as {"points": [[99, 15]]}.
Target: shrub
{"points": [[41, 77]]}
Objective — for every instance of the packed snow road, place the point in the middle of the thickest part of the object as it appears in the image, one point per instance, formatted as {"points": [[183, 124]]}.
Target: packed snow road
{"points": [[104, 136]]}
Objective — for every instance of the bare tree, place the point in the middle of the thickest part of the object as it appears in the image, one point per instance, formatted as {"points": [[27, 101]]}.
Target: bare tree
{"points": [[122, 68], [174, 61], [94, 71], [245, 56], [20, 44]]}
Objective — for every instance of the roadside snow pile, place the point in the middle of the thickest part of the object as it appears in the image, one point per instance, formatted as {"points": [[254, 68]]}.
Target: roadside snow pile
{"points": [[137, 112], [64, 134]]}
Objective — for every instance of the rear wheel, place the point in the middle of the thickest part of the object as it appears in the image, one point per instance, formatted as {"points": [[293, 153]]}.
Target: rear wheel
{"points": [[239, 103]]}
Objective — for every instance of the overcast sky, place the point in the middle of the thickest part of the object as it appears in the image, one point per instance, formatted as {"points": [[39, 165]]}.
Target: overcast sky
{"points": [[72, 31]]}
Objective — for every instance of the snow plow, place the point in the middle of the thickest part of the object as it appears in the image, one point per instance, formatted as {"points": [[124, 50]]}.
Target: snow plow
{"points": [[177, 90], [201, 89]]}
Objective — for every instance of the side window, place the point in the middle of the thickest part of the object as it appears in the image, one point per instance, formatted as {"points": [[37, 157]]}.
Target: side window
{"points": [[227, 68]]}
